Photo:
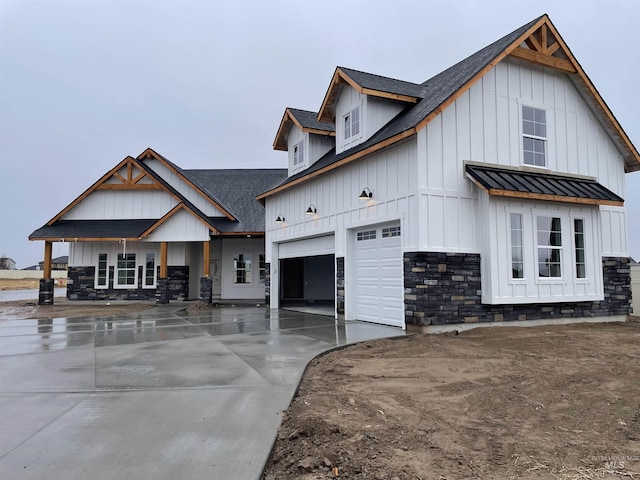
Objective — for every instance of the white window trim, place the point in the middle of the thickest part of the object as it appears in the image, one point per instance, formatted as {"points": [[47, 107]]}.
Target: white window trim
{"points": [[96, 284], [585, 228], [299, 154], [352, 137], [548, 154], [135, 274], [248, 272], [155, 271], [525, 271]]}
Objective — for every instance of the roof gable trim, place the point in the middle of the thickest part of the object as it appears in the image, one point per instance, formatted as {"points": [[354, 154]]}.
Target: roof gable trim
{"points": [[289, 119], [170, 214]]}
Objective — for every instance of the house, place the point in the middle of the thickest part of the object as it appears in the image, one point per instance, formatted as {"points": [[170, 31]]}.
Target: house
{"points": [[491, 192], [7, 263], [149, 229], [57, 263]]}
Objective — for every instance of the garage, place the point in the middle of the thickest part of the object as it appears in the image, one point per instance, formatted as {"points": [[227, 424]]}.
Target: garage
{"points": [[378, 278], [307, 274]]}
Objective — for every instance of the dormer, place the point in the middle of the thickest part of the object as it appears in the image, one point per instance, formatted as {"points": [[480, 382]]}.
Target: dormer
{"points": [[360, 104], [304, 137]]}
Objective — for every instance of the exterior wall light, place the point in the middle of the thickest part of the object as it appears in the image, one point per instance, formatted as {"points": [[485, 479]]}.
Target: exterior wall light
{"points": [[312, 210], [366, 194], [280, 219]]}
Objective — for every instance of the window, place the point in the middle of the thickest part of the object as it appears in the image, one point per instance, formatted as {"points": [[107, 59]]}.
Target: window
{"points": [[367, 235], [298, 153], [126, 270], [517, 255], [102, 272], [352, 123], [549, 247], [534, 133], [262, 267], [242, 268], [391, 232], [581, 266], [150, 270]]}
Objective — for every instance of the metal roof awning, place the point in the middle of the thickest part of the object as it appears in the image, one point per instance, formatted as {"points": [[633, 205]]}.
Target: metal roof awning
{"points": [[529, 185]]}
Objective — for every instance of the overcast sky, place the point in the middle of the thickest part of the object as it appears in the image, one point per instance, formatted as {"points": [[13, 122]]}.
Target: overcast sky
{"points": [[85, 83]]}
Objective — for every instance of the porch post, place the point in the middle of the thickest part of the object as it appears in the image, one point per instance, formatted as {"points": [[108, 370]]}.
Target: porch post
{"points": [[206, 282], [45, 295], [163, 293]]}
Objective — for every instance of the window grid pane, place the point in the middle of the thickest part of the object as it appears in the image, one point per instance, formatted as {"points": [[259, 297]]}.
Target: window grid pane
{"points": [[126, 266], [581, 266], [150, 270], [534, 142], [517, 256], [390, 232], [242, 268], [367, 235], [549, 236], [102, 270]]}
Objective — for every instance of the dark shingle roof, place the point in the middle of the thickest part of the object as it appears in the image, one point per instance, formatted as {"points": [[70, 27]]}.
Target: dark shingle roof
{"points": [[434, 92], [237, 189], [384, 84], [492, 178], [310, 120], [70, 229]]}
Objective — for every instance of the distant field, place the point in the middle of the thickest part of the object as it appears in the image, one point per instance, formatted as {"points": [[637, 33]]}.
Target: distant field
{"points": [[26, 283]]}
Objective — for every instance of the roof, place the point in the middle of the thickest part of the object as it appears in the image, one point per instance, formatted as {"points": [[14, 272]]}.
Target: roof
{"points": [[306, 121], [237, 189], [441, 90], [525, 184], [68, 230]]}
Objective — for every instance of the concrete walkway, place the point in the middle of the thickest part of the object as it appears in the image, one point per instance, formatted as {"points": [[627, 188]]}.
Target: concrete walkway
{"points": [[162, 394]]}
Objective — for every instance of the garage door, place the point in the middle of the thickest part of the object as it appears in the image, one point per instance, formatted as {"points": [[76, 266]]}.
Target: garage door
{"points": [[307, 247], [379, 290]]}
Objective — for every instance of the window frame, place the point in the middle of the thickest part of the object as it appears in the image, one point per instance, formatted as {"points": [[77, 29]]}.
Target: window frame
{"points": [[262, 267], [348, 120], [559, 248], [522, 245], [574, 247], [97, 283], [532, 136], [248, 272], [154, 270], [297, 154], [116, 274]]}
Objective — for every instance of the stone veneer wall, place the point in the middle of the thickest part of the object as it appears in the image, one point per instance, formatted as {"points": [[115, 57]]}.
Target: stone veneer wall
{"points": [[81, 285], [445, 288], [340, 285]]}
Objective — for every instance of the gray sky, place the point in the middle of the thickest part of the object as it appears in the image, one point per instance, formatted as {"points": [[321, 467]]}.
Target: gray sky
{"points": [[85, 83]]}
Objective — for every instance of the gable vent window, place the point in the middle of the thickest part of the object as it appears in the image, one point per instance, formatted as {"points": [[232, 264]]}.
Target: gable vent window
{"points": [[367, 235], [298, 153], [352, 123], [534, 136]]}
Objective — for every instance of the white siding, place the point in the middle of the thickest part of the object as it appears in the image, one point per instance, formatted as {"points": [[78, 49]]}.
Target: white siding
{"points": [[378, 112], [348, 100], [296, 136], [82, 254], [318, 146], [199, 200], [182, 226], [122, 204], [230, 249], [614, 233]]}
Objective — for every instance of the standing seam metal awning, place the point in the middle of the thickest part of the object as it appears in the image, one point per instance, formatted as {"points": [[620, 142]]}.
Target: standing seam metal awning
{"points": [[541, 186]]}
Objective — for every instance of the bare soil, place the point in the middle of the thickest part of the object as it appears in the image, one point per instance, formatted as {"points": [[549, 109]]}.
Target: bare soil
{"points": [[26, 283], [553, 402]]}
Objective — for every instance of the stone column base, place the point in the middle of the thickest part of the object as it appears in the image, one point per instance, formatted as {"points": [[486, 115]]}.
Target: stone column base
{"points": [[163, 292], [206, 290], [45, 296]]}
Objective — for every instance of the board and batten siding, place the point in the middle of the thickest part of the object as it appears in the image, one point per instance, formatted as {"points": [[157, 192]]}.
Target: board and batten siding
{"points": [[83, 254], [181, 227], [121, 205], [201, 202], [390, 175]]}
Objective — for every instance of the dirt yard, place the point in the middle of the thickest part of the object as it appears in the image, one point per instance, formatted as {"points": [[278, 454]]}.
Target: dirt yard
{"points": [[555, 402], [63, 308], [26, 283]]}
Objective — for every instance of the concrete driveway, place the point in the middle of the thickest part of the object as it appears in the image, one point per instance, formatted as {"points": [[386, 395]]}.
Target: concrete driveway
{"points": [[164, 393]]}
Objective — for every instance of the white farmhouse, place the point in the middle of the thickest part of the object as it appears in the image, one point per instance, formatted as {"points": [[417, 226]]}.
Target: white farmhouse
{"points": [[149, 229], [490, 192]]}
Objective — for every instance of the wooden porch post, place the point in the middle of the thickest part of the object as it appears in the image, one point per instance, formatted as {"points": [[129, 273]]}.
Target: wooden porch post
{"points": [[47, 259], [206, 270], [163, 260]]}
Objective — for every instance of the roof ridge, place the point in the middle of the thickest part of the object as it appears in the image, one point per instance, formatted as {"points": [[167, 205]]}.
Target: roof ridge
{"points": [[347, 69]]}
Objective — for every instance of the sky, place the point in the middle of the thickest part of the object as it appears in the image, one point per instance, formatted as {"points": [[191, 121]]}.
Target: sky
{"points": [[85, 83]]}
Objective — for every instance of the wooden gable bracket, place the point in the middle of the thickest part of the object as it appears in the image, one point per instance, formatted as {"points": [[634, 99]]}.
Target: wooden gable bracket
{"points": [[128, 176], [544, 49]]}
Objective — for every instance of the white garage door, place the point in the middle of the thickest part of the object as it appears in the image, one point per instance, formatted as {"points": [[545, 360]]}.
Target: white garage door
{"points": [[379, 289], [308, 247]]}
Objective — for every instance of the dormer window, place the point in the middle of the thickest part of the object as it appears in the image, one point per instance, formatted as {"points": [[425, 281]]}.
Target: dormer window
{"points": [[534, 136], [298, 153], [352, 123]]}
